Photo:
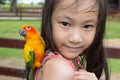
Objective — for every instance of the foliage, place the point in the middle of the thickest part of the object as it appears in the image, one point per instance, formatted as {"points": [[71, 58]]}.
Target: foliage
{"points": [[11, 5], [2, 2]]}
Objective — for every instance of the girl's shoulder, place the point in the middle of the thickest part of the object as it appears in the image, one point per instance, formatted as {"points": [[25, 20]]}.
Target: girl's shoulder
{"points": [[58, 64], [55, 68]]}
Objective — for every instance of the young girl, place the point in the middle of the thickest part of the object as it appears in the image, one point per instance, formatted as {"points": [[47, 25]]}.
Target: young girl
{"points": [[73, 31]]}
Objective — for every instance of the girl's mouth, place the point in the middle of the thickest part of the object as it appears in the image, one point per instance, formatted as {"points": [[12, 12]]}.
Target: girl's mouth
{"points": [[73, 48]]}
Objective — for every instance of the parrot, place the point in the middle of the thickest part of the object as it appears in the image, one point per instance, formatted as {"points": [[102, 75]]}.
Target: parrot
{"points": [[33, 49]]}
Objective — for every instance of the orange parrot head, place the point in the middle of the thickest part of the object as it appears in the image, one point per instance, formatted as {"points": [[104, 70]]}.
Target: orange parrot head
{"points": [[28, 31]]}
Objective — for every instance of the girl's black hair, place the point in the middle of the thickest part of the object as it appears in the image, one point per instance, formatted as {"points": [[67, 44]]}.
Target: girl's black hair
{"points": [[94, 55], [46, 30]]}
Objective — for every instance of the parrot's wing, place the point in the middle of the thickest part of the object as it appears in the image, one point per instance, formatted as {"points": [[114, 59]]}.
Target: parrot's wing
{"points": [[29, 55], [31, 62]]}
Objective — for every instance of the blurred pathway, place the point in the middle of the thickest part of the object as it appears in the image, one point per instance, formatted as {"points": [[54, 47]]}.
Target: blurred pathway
{"points": [[18, 18], [112, 43]]}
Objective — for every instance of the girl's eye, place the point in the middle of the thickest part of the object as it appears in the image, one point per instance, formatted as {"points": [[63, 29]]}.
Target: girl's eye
{"points": [[88, 27], [65, 24]]}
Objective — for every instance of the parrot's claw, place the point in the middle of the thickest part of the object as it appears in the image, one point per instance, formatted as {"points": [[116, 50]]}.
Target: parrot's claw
{"points": [[37, 64]]}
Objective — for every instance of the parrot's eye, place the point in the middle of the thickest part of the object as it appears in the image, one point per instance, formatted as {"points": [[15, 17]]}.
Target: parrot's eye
{"points": [[28, 28]]}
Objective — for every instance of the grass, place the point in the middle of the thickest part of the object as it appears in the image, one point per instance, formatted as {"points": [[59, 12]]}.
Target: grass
{"points": [[10, 29], [9, 53], [113, 28], [114, 65]]}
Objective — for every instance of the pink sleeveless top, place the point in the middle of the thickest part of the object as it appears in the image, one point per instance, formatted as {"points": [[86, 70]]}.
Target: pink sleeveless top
{"points": [[57, 55]]}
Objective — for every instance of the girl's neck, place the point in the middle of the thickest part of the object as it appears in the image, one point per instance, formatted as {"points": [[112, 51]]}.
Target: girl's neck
{"points": [[75, 63]]}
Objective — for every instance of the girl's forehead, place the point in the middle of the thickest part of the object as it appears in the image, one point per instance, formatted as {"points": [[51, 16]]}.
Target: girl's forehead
{"points": [[78, 5]]}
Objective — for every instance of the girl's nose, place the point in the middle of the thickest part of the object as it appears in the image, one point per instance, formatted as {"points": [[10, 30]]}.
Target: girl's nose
{"points": [[75, 37]]}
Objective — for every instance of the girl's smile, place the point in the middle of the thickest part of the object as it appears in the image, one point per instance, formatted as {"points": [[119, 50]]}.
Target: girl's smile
{"points": [[73, 48]]}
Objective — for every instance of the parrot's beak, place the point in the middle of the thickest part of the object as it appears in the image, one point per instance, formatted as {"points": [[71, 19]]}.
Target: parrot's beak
{"points": [[22, 32]]}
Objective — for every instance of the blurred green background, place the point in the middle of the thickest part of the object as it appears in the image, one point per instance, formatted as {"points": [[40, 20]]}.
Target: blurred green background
{"points": [[10, 29]]}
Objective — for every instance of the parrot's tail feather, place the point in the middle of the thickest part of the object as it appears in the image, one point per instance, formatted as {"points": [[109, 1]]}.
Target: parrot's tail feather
{"points": [[32, 73], [28, 68]]}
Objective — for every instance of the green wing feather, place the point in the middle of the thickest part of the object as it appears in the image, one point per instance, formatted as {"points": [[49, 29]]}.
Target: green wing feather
{"points": [[31, 61]]}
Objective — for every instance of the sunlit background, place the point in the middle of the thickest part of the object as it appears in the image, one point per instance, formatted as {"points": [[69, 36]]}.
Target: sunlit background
{"points": [[31, 1]]}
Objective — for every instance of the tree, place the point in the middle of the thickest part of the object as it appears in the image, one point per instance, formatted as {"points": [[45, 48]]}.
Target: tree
{"points": [[2, 2], [13, 7]]}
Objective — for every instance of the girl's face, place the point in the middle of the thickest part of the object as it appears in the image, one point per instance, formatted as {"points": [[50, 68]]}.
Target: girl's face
{"points": [[74, 26]]}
